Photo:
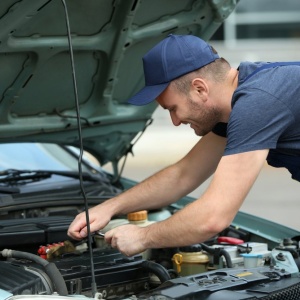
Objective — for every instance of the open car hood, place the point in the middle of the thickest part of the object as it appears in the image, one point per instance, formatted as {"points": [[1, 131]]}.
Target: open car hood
{"points": [[109, 39]]}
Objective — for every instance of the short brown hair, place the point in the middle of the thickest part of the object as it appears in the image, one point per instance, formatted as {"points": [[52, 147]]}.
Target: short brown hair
{"points": [[215, 71]]}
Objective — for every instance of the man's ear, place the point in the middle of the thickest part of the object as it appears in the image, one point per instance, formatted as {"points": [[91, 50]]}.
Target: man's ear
{"points": [[200, 87]]}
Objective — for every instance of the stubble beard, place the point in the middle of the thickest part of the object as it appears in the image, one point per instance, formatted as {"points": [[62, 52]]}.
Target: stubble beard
{"points": [[203, 121]]}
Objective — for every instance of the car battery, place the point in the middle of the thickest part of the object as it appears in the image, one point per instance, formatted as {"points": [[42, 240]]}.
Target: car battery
{"points": [[235, 252]]}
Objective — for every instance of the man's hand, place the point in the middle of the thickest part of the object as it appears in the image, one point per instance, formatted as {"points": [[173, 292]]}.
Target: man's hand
{"points": [[98, 218], [201, 219], [128, 239]]}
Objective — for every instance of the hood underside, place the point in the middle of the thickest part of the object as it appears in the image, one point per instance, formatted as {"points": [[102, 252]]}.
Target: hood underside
{"points": [[109, 39]]}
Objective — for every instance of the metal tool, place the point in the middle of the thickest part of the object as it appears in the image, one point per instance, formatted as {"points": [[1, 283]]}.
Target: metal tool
{"points": [[98, 233]]}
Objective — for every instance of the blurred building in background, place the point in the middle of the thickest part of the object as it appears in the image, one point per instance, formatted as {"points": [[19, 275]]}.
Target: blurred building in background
{"points": [[261, 19], [259, 30]]}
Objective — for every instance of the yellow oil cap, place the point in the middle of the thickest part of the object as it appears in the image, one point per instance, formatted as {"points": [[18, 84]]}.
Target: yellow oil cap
{"points": [[138, 216]]}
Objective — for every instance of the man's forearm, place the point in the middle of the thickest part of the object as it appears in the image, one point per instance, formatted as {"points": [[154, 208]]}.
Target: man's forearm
{"points": [[174, 182], [215, 209], [154, 192]]}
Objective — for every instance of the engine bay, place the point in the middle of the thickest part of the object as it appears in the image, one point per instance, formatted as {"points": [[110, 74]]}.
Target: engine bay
{"points": [[37, 259], [42, 185]]}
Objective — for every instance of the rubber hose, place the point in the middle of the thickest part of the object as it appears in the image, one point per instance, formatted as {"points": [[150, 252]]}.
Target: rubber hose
{"points": [[208, 249], [157, 269], [50, 268], [227, 257], [222, 252]]}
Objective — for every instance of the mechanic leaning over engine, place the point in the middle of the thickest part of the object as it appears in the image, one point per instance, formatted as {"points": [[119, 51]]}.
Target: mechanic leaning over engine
{"points": [[244, 116]]}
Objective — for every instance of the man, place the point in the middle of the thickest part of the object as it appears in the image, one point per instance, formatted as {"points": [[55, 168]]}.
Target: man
{"points": [[245, 117]]}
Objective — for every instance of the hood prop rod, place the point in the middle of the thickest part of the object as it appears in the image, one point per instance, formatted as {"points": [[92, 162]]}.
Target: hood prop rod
{"points": [[93, 284]]}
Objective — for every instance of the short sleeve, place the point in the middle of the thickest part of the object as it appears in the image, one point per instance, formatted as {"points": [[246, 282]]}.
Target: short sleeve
{"points": [[257, 121]]}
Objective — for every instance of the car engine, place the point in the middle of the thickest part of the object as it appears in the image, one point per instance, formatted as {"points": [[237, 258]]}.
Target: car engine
{"points": [[42, 262]]}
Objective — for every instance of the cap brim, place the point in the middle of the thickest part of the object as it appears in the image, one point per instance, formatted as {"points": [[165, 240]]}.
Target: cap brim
{"points": [[148, 94]]}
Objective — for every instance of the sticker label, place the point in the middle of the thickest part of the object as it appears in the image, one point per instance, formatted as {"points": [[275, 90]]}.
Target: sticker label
{"points": [[244, 274]]}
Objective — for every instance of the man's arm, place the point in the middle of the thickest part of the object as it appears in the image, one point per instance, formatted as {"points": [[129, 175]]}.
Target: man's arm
{"points": [[203, 218], [161, 189]]}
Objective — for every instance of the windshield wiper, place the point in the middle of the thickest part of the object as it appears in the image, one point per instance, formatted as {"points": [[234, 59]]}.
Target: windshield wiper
{"points": [[13, 176]]}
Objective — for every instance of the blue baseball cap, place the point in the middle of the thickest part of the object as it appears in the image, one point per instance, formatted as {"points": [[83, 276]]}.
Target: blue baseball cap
{"points": [[171, 58]]}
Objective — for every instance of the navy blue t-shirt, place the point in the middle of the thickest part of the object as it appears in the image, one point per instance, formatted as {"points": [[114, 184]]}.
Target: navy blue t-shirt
{"points": [[266, 115]]}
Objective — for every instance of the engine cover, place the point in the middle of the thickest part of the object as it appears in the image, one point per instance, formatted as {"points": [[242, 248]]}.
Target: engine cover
{"points": [[115, 275], [235, 284]]}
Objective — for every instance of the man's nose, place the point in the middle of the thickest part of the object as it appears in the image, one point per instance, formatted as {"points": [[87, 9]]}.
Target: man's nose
{"points": [[175, 120]]}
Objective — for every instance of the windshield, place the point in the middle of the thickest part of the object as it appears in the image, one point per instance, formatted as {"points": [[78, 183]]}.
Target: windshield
{"points": [[37, 156]]}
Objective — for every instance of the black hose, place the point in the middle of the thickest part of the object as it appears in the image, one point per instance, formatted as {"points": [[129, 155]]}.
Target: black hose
{"points": [[227, 257], [208, 249], [220, 252], [157, 269], [50, 268]]}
